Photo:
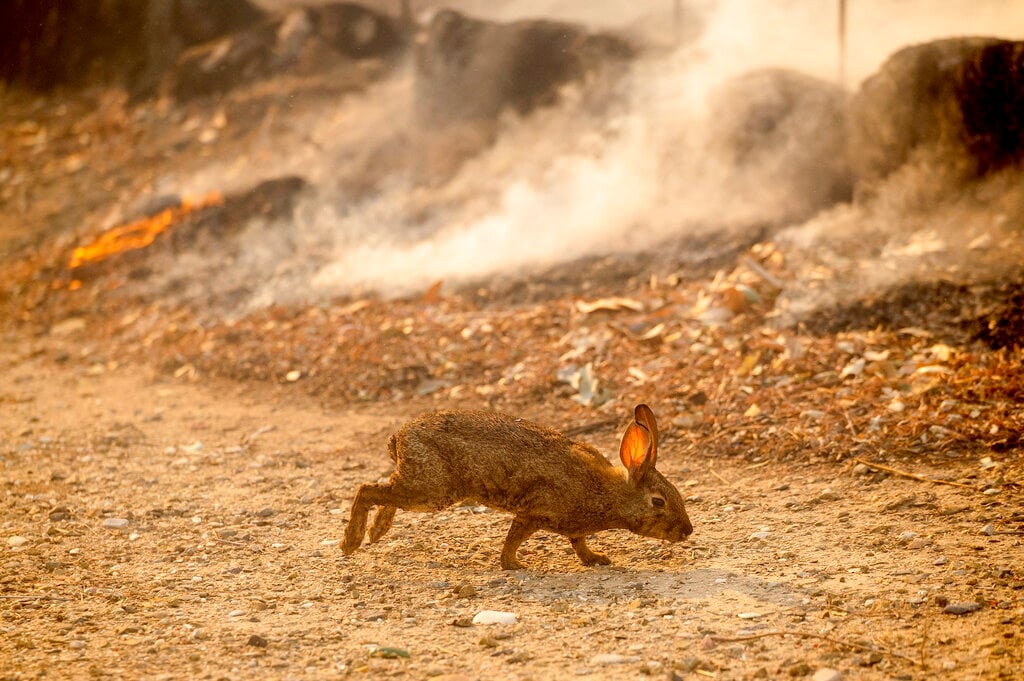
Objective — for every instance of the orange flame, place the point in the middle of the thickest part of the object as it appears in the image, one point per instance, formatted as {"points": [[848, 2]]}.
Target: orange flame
{"points": [[138, 234]]}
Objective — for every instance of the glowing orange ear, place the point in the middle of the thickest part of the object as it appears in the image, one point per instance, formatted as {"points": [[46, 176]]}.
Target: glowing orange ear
{"points": [[643, 415], [635, 450]]}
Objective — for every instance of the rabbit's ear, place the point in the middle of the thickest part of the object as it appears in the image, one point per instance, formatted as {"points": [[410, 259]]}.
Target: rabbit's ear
{"points": [[645, 417], [636, 451]]}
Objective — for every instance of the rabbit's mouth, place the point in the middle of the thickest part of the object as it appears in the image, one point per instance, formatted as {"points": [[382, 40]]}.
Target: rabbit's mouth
{"points": [[670, 535]]}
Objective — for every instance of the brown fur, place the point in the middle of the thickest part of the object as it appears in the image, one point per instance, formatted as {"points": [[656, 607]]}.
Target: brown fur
{"points": [[543, 478]]}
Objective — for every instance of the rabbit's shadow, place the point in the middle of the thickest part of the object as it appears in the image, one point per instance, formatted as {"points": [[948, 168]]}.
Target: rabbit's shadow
{"points": [[617, 584]]}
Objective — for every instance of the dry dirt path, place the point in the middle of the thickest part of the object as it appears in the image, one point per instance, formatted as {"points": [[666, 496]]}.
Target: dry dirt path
{"points": [[153, 527]]}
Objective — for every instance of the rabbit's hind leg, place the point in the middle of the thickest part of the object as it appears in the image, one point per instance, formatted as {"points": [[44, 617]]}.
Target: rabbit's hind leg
{"points": [[366, 496], [382, 522], [389, 497]]}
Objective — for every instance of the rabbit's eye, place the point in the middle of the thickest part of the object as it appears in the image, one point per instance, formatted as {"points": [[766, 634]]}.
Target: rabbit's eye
{"points": [[657, 502]]}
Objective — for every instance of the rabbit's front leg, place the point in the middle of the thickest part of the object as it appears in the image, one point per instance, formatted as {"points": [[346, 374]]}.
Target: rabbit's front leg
{"points": [[517, 534], [586, 556]]}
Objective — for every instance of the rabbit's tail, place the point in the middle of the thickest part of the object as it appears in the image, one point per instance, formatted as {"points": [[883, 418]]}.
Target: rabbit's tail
{"points": [[393, 448]]}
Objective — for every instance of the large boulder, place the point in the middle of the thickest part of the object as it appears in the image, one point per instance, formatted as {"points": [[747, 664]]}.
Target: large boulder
{"points": [[788, 129], [990, 92], [949, 98], [472, 70], [304, 39]]}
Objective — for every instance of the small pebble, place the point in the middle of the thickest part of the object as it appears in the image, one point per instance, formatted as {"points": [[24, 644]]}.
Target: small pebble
{"points": [[758, 536], [115, 523], [257, 641], [800, 669], [989, 530], [826, 674], [77, 644], [494, 617], [603, 659], [941, 560], [16, 541], [464, 591], [962, 608], [236, 613], [991, 491], [828, 495], [861, 469]]}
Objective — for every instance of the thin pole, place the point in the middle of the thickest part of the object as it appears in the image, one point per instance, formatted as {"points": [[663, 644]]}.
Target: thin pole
{"points": [[842, 43], [677, 20]]}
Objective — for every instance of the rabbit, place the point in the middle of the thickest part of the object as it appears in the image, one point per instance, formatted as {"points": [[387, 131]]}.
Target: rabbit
{"points": [[546, 480]]}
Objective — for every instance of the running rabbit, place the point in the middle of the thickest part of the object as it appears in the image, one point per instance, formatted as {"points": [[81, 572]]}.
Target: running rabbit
{"points": [[546, 480]]}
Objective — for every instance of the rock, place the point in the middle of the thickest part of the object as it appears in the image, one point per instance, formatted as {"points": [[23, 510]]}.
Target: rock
{"points": [[789, 126], [828, 495], [236, 613], [374, 616], [468, 69], [257, 641], [861, 469], [799, 669], [826, 674], [761, 535], [77, 644], [953, 98], [494, 617], [988, 530], [941, 560], [707, 643], [16, 541], [115, 523], [962, 608], [464, 591], [603, 659], [919, 543], [302, 40]]}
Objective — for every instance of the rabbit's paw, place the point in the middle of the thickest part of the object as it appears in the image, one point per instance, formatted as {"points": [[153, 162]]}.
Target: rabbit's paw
{"points": [[595, 559]]}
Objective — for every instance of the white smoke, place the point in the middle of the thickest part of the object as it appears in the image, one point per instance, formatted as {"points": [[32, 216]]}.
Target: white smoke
{"points": [[571, 180]]}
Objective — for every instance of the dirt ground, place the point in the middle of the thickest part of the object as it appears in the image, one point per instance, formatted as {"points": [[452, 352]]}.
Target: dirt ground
{"points": [[155, 527], [176, 474]]}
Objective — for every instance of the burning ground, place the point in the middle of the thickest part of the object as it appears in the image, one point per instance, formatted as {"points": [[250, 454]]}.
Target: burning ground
{"points": [[218, 302]]}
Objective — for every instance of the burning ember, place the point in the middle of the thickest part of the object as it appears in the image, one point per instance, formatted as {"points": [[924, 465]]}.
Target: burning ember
{"points": [[138, 234]]}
